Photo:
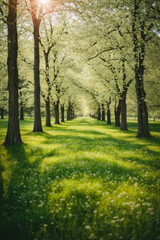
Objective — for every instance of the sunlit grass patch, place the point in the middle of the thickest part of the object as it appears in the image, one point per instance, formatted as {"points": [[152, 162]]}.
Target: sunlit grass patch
{"points": [[81, 180]]}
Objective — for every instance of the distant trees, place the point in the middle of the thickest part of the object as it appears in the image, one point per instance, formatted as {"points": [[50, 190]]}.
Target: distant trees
{"points": [[131, 26]]}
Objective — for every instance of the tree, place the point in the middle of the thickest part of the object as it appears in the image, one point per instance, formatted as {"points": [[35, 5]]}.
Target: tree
{"points": [[108, 111], [62, 112], [122, 94], [36, 13], [13, 131], [103, 112], [24, 92], [152, 73], [144, 16]]}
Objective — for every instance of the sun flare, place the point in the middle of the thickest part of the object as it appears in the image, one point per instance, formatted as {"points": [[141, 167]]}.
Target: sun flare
{"points": [[44, 1]]}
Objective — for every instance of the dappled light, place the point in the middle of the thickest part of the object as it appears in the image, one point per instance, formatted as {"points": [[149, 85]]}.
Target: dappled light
{"points": [[79, 180]]}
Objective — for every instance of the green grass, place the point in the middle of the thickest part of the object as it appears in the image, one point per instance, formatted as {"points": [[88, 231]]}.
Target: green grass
{"points": [[81, 180]]}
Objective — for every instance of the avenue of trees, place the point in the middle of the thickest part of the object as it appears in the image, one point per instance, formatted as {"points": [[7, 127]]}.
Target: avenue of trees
{"points": [[61, 57]]}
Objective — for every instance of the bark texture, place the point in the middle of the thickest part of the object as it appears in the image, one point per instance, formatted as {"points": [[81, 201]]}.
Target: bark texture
{"points": [[37, 111], [36, 18], [139, 39], [13, 131]]}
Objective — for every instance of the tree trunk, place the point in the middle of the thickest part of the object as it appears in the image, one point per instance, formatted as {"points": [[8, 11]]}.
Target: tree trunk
{"points": [[37, 110], [139, 55], [21, 107], [117, 113], [103, 113], [108, 116], [99, 113], [2, 113], [72, 114], [124, 112], [48, 113], [57, 112], [13, 131], [62, 113], [143, 126], [108, 113], [69, 111], [21, 111], [68, 115]]}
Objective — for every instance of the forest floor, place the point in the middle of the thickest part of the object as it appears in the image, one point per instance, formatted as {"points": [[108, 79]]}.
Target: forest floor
{"points": [[80, 180]]}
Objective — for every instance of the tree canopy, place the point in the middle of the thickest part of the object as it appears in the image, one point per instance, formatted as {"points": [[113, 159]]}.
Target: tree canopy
{"points": [[84, 55]]}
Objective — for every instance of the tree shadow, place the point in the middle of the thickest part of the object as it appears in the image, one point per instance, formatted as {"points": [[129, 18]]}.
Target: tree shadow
{"points": [[29, 212], [15, 224], [103, 142]]}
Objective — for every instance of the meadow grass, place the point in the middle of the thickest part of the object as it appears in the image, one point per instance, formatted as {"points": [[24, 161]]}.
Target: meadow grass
{"points": [[80, 180]]}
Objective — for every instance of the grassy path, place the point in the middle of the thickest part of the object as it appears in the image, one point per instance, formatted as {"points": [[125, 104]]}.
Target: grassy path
{"points": [[81, 180]]}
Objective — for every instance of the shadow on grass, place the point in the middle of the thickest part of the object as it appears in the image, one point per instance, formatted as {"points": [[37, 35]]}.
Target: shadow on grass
{"points": [[104, 144], [40, 204], [29, 206], [17, 209]]}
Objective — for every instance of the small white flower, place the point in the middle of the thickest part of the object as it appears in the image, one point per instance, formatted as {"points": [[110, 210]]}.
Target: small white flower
{"points": [[87, 227], [92, 236]]}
